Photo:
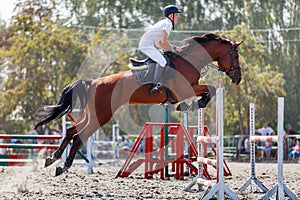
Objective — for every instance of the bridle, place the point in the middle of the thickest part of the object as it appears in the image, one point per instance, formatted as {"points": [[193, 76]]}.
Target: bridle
{"points": [[229, 72], [232, 67]]}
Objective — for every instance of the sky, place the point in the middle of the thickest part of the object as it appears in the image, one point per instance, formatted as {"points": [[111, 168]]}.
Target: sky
{"points": [[6, 8]]}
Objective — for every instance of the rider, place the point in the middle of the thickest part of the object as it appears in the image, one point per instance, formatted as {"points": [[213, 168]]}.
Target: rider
{"points": [[157, 35]]}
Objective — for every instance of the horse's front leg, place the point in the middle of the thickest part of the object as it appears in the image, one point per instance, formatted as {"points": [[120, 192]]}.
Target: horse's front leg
{"points": [[205, 91]]}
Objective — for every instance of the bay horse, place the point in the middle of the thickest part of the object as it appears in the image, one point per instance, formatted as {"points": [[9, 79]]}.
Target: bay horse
{"points": [[100, 98]]}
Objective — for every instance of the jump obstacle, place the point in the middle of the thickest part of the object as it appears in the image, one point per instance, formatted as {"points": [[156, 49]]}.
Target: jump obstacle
{"points": [[204, 138], [280, 188], [154, 161], [22, 160], [92, 150], [218, 188], [172, 136]]}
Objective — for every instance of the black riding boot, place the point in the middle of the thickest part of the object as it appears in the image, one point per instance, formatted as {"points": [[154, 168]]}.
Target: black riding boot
{"points": [[157, 76]]}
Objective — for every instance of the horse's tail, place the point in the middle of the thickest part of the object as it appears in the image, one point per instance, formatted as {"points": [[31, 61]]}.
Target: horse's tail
{"points": [[68, 98]]}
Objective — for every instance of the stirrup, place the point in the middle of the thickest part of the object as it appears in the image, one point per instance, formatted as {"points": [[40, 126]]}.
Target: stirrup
{"points": [[156, 88]]}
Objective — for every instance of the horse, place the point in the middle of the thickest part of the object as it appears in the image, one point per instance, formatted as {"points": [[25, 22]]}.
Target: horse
{"points": [[100, 98]]}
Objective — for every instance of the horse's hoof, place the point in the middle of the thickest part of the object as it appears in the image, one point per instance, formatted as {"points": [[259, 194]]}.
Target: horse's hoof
{"points": [[59, 171], [183, 107], [202, 104], [48, 162]]}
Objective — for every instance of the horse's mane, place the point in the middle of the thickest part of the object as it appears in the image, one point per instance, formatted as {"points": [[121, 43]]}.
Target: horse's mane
{"points": [[205, 38]]}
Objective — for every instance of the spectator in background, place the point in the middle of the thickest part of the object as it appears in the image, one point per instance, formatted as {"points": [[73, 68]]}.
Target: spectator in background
{"points": [[291, 141], [127, 144], [142, 146], [2, 150], [295, 153], [120, 142], [266, 131], [247, 145]]}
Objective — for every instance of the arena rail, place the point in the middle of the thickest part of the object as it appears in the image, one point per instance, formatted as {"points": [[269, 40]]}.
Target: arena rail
{"points": [[24, 159]]}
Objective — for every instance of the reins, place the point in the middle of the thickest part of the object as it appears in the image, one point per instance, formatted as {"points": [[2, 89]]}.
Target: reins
{"points": [[205, 68]]}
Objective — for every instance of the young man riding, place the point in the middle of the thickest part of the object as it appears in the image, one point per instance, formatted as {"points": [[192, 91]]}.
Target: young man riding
{"points": [[157, 35]]}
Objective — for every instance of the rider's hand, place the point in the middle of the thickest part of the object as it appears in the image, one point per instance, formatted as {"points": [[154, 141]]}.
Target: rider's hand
{"points": [[178, 49]]}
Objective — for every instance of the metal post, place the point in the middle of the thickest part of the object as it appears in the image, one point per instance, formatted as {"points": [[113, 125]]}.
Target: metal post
{"points": [[166, 130], [252, 181], [64, 131], [116, 132], [199, 149], [89, 149], [280, 187], [185, 143], [220, 188]]}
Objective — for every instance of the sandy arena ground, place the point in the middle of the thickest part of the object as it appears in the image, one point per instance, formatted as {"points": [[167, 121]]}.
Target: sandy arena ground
{"points": [[36, 182]]}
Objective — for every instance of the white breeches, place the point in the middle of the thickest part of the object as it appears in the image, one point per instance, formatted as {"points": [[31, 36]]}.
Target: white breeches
{"points": [[154, 54]]}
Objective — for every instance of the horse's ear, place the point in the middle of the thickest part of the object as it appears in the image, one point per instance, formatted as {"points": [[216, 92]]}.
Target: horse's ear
{"points": [[235, 45]]}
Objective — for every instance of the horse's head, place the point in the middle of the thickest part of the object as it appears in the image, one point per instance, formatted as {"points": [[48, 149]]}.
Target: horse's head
{"points": [[229, 62], [211, 47]]}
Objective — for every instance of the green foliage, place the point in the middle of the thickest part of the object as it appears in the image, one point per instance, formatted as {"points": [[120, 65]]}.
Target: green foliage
{"points": [[108, 53], [115, 14], [15, 127], [262, 84], [41, 59]]}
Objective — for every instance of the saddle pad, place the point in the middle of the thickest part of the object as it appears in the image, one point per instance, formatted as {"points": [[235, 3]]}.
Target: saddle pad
{"points": [[146, 76]]}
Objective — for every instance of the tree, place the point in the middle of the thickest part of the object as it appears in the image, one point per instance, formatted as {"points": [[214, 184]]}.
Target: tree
{"points": [[114, 13], [280, 21], [108, 53], [262, 83], [41, 58]]}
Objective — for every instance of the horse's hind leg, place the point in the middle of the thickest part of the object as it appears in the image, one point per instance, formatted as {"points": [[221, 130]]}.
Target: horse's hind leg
{"points": [[78, 127], [78, 140]]}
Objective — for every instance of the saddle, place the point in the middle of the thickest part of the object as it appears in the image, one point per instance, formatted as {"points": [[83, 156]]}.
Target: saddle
{"points": [[144, 70], [139, 63]]}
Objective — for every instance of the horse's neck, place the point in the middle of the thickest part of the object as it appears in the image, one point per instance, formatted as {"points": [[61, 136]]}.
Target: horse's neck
{"points": [[186, 68], [198, 59]]}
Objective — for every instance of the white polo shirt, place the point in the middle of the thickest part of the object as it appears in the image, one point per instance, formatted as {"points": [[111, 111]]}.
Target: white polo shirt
{"points": [[154, 33]]}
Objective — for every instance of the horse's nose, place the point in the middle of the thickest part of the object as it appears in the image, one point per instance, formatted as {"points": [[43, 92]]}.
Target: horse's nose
{"points": [[236, 78], [238, 81]]}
